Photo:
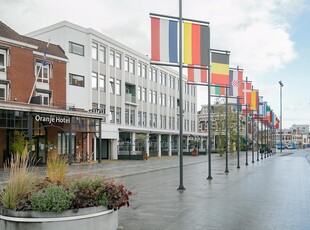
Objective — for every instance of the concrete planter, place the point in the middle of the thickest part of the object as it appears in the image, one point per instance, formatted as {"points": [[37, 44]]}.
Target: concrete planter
{"points": [[85, 218]]}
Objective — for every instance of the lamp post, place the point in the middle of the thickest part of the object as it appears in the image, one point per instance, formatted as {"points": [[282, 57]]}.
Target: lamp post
{"points": [[281, 85]]}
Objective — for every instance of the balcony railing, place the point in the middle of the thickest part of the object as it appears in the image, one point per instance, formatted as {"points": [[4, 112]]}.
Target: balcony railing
{"points": [[130, 98]]}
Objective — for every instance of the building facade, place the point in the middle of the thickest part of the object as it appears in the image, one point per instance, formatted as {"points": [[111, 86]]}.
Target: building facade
{"points": [[33, 99], [136, 98]]}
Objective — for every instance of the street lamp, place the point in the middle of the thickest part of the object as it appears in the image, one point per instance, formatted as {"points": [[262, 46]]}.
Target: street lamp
{"points": [[281, 85]]}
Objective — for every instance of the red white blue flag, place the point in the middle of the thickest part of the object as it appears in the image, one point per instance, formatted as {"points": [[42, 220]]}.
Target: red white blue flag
{"points": [[164, 40]]}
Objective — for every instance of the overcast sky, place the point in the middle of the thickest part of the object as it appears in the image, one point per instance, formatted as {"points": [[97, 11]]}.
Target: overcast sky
{"points": [[269, 39]]}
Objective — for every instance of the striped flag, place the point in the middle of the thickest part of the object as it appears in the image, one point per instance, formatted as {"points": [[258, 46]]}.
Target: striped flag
{"points": [[196, 44], [219, 71], [254, 100], [164, 40], [197, 75]]}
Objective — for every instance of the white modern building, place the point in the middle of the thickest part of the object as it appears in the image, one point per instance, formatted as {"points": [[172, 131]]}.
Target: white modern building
{"points": [[105, 76]]}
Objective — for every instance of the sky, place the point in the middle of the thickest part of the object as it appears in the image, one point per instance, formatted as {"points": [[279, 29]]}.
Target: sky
{"points": [[268, 39]]}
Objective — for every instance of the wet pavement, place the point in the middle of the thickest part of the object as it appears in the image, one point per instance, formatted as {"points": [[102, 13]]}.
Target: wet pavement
{"points": [[272, 193]]}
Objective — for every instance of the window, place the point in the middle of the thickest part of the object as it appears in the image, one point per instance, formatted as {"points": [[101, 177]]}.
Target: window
{"points": [[143, 94], [112, 85], [144, 119], [154, 97], [95, 51], [118, 60], [127, 64], [144, 71], [154, 75], [139, 69], [118, 115], [112, 58], [155, 120], [140, 118], [42, 73], [118, 87], [127, 116], [76, 48], [112, 112], [2, 61], [102, 82], [132, 117], [151, 120], [139, 93], [132, 66], [150, 96], [2, 92], [102, 53], [76, 80], [45, 98], [164, 121], [94, 81], [164, 100]]}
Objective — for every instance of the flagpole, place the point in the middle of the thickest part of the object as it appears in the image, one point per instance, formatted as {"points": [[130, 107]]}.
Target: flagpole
{"points": [[209, 116], [238, 135], [246, 123], [226, 131], [181, 186]]}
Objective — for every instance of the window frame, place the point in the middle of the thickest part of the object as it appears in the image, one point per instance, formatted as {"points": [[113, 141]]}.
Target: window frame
{"points": [[71, 75], [76, 45]]}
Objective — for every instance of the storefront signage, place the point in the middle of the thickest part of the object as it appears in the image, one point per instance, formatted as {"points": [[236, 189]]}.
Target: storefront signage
{"points": [[52, 119]]}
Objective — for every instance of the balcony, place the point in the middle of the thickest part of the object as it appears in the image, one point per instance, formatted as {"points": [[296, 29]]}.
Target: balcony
{"points": [[130, 99]]}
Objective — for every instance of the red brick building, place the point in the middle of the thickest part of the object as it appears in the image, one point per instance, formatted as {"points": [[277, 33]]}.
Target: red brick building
{"points": [[33, 99]]}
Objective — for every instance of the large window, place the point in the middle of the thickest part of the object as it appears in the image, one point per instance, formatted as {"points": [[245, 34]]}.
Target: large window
{"points": [[76, 80], [76, 48], [42, 73]]}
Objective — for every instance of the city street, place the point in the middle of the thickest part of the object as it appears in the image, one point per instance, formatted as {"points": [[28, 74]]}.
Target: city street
{"points": [[270, 194]]}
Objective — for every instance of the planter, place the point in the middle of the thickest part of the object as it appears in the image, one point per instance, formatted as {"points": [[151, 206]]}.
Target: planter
{"points": [[144, 156], [195, 153], [86, 218]]}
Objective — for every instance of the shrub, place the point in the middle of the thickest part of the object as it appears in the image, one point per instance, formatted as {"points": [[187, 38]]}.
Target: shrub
{"points": [[53, 198], [88, 193], [56, 167], [117, 194], [20, 181]]}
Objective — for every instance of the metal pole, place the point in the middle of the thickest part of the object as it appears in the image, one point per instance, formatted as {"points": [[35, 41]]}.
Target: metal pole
{"points": [[30, 133], [238, 135], [268, 136], [252, 127], [257, 137], [226, 124], [209, 117], [246, 134], [265, 137], [100, 142], [262, 139], [181, 186], [246, 124], [281, 85]]}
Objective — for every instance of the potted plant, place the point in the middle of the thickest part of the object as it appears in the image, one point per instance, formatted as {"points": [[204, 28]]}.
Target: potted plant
{"points": [[195, 144], [140, 141], [54, 201]]}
